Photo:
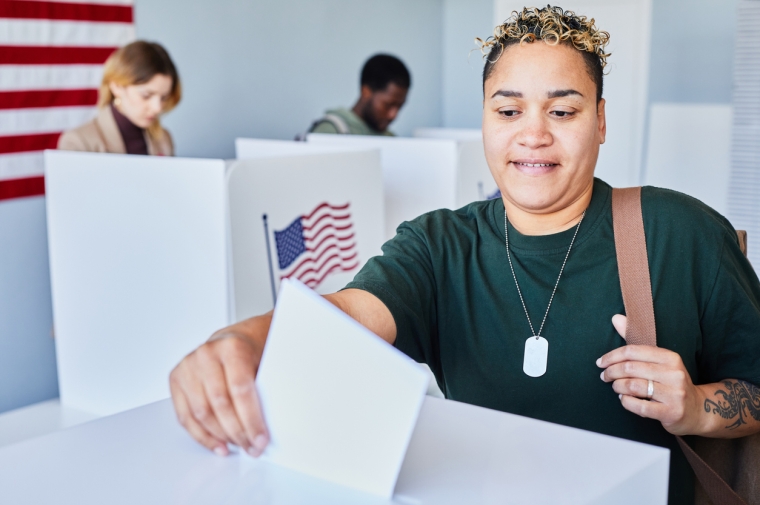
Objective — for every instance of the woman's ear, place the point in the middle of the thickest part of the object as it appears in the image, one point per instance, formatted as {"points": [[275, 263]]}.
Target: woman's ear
{"points": [[116, 90], [601, 120]]}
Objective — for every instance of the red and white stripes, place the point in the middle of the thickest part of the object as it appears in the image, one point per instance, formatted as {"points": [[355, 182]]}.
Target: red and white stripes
{"points": [[51, 64], [330, 245]]}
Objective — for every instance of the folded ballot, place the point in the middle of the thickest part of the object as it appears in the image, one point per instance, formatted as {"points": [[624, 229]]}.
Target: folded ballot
{"points": [[340, 403]]}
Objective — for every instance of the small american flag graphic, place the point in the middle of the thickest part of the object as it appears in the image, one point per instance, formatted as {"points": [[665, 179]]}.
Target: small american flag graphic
{"points": [[317, 244]]}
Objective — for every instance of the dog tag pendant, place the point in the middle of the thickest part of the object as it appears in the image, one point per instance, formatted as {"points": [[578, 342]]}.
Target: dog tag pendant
{"points": [[536, 354]]}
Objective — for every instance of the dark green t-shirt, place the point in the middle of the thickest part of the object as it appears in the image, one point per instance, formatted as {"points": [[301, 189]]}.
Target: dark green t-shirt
{"points": [[446, 280]]}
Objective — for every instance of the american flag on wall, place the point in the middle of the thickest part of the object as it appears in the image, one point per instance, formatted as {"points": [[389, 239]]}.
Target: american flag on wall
{"points": [[317, 244], [51, 64]]}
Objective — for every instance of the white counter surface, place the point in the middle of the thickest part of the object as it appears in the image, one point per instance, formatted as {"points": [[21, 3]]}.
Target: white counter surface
{"points": [[459, 454]]}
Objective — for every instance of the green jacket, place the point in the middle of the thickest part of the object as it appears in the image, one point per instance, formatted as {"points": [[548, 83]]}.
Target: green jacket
{"points": [[344, 121]]}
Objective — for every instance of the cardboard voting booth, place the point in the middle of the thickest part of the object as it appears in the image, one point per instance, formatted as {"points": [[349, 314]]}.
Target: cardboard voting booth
{"points": [[138, 264], [151, 255], [316, 218], [423, 174]]}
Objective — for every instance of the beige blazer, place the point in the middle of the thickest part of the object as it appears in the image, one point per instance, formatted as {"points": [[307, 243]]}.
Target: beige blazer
{"points": [[101, 135]]}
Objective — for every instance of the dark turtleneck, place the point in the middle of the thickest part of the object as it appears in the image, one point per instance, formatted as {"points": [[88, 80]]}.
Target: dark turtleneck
{"points": [[133, 136]]}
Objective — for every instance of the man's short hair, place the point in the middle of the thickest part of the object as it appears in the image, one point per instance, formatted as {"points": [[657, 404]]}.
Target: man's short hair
{"points": [[382, 69], [551, 25]]}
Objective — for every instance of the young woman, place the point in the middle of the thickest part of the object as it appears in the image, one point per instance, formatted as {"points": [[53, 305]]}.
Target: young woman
{"points": [[140, 82]]}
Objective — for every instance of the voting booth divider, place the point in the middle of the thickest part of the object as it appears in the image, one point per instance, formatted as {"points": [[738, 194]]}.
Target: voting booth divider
{"points": [[145, 264], [138, 266], [423, 174]]}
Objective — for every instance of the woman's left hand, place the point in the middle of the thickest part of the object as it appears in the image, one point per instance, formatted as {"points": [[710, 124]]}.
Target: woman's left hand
{"points": [[675, 401]]}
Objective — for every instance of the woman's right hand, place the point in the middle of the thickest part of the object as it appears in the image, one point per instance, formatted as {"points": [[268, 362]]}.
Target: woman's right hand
{"points": [[214, 390]]}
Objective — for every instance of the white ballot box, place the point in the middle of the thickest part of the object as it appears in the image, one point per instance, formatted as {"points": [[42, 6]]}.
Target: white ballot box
{"points": [[458, 454], [423, 174], [349, 424], [316, 218], [138, 265]]}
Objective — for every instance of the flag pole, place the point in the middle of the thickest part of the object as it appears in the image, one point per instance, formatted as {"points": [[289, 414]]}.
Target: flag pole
{"points": [[269, 257]]}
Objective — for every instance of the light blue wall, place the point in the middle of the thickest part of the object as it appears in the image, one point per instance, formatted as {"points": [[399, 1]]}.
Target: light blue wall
{"points": [[268, 68], [27, 349], [692, 51], [463, 20]]}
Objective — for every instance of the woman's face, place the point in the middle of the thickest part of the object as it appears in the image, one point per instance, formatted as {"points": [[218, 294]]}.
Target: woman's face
{"points": [[143, 103], [542, 126]]}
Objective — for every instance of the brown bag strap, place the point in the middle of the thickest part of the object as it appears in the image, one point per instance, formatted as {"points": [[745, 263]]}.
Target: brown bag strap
{"points": [[633, 266], [635, 283], [742, 236]]}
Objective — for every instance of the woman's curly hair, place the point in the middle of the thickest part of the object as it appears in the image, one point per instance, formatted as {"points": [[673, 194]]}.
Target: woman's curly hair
{"points": [[552, 25]]}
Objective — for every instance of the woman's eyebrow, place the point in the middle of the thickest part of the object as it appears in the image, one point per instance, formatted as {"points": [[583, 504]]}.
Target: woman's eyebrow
{"points": [[507, 93], [563, 92]]}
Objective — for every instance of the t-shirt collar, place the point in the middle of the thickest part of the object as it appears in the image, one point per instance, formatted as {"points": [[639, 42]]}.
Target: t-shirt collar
{"points": [[557, 242]]}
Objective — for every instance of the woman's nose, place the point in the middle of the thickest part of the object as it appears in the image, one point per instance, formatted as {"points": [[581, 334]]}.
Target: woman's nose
{"points": [[535, 133]]}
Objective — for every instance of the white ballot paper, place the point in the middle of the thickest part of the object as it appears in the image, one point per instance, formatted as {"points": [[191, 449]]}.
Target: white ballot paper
{"points": [[340, 403]]}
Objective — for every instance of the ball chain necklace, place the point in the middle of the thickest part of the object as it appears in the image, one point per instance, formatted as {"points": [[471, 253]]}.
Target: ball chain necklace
{"points": [[537, 347]]}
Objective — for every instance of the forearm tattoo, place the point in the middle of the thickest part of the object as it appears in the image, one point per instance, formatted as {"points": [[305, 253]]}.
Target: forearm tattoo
{"points": [[740, 400]]}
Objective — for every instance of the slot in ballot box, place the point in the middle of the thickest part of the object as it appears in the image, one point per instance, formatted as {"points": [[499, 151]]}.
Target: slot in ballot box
{"points": [[423, 174], [150, 255]]}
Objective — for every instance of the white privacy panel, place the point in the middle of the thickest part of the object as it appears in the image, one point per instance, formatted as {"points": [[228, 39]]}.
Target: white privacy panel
{"points": [[625, 86], [448, 171], [138, 270], [474, 180], [315, 217], [689, 150], [419, 175], [266, 148]]}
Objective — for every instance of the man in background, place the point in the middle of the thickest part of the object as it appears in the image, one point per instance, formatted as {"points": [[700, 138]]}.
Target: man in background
{"points": [[385, 82]]}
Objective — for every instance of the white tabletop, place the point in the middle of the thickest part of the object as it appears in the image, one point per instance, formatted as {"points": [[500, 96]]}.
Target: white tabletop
{"points": [[39, 419], [458, 454]]}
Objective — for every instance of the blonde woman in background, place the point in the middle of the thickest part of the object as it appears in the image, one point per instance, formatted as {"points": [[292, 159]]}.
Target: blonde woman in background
{"points": [[139, 84]]}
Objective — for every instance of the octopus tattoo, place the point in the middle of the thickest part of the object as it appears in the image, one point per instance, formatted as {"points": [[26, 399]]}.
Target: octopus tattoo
{"points": [[740, 399]]}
